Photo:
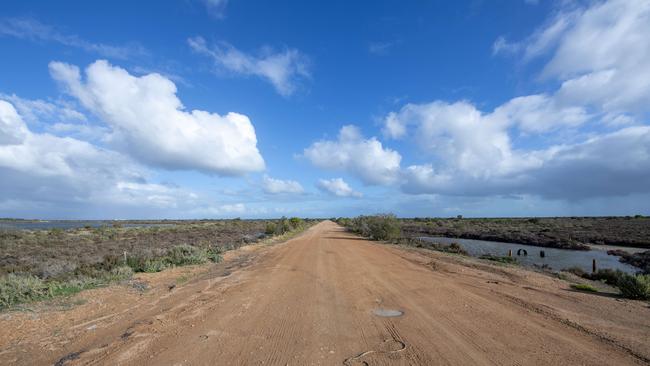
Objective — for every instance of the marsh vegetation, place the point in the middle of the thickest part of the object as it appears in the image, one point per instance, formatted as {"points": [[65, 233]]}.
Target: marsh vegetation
{"points": [[40, 264]]}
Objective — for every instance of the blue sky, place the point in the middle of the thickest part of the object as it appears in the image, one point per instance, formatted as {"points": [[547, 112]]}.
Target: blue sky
{"points": [[192, 109]]}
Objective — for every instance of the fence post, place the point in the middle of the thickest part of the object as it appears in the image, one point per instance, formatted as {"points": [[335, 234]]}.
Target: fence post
{"points": [[593, 265]]}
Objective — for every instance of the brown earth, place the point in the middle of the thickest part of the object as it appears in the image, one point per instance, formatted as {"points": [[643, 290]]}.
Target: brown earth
{"points": [[310, 301]]}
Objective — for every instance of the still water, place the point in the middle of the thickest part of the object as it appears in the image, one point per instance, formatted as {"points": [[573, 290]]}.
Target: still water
{"points": [[557, 259]]}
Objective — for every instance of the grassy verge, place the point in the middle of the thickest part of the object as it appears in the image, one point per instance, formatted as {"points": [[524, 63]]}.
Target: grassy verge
{"points": [[636, 287], [16, 289], [499, 259]]}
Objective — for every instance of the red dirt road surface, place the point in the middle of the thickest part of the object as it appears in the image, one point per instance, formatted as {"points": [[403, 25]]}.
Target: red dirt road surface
{"points": [[314, 301]]}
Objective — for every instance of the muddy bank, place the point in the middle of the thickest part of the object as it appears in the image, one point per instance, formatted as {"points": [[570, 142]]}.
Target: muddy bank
{"points": [[640, 260]]}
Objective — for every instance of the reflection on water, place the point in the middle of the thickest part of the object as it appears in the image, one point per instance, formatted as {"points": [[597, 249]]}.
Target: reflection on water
{"points": [[557, 259], [65, 224]]}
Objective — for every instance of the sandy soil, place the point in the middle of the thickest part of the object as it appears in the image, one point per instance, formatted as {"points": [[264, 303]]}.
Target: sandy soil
{"points": [[312, 301]]}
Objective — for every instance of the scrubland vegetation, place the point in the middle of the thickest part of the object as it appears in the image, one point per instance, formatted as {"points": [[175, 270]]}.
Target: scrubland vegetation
{"points": [[631, 286], [41, 264], [555, 232], [386, 227]]}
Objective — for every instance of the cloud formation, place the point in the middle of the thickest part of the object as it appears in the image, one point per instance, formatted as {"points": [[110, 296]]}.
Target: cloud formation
{"points": [[279, 186], [337, 187], [352, 153], [41, 168], [598, 55], [285, 70], [598, 52], [149, 122], [33, 30]]}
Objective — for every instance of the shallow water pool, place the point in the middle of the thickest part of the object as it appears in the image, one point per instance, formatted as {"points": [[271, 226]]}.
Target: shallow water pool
{"points": [[557, 259]]}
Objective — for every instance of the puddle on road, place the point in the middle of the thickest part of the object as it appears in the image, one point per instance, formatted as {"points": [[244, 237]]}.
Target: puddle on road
{"points": [[387, 313]]}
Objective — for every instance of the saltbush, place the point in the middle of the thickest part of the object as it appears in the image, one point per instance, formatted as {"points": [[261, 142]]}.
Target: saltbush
{"points": [[377, 227], [635, 287], [584, 287], [15, 289], [609, 276], [185, 254]]}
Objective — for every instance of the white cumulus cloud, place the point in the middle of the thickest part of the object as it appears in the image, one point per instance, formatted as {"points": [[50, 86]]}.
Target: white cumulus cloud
{"points": [[150, 123], [337, 187], [279, 186], [351, 152], [598, 55], [43, 169]]}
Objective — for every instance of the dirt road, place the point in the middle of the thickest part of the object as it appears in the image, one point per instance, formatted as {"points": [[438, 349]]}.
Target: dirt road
{"points": [[313, 301]]}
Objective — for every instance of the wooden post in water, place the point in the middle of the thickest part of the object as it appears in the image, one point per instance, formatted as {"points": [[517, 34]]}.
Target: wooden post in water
{"points": [[593, 265], [542, 254], [510, 253]]}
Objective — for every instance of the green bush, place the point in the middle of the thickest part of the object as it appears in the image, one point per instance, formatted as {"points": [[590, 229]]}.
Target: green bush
{"points": [[148, 265], [119, 274], [295, 222], [609, 276], [584, 287], [214, 254], [270, 228], [496, 258], [15, 289], [72, 286], [184, 254], [635, 287], [377, 227]]}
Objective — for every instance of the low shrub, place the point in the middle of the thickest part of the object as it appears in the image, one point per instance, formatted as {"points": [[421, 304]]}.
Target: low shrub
{"points": [[184, 254], [15, 289], [24, 288], [609, 276], [119, 274], [451, 248], [73, 286], [270, 228], [576, 271], [214, 254], [584, 287], [295, 222], [147, 265], [377, 227], [284, 225], [179, 255], [496, 258], [635, 287]]}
